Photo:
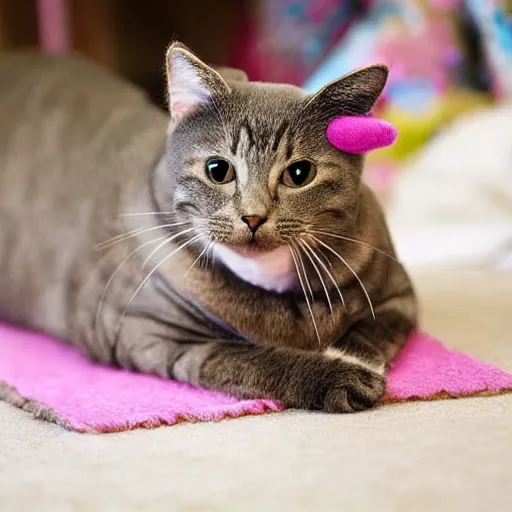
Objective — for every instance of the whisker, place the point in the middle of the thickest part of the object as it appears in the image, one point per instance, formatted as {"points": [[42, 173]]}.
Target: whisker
{"points": [[166, 241], [145, 213], [148, 276], [304, 291], [207, 257], [326, 270], [331, 277], [109, 282], [305, 273], [328, 261], [125, 236], [212, 255], [317, 270], [351, 270], [198, 258], [348, 239]]}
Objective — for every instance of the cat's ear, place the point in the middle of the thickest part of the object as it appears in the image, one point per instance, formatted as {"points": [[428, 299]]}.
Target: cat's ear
{"points": [[353, 94], [190, 82]]}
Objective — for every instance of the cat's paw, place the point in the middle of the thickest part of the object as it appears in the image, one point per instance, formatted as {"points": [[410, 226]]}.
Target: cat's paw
{"points": [[341, 386], [356, 389]]}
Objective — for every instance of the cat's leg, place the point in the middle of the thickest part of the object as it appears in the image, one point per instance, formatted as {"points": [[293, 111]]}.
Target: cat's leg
{"points": [[300, 379], [371, 344]]}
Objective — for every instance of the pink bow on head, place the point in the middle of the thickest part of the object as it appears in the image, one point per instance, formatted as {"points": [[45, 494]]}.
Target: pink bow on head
{"points": [[360, 134]]}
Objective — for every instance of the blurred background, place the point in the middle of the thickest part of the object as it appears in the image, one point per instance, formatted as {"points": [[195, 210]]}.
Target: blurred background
{"points": [[446, 183]]}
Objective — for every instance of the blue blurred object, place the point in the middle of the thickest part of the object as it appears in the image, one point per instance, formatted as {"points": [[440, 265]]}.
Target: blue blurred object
{"points": [[347, 55], [504, 30], [495, 25], [356, 46], [414, 95], [492, 21]]}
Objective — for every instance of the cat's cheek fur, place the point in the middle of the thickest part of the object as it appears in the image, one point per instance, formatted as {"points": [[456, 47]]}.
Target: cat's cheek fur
{"points": [[272, 271]]}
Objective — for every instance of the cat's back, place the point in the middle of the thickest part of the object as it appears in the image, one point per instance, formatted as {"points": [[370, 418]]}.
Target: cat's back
{"points": [[72, 135], [47, 101], [26, 74], [60, 117]]}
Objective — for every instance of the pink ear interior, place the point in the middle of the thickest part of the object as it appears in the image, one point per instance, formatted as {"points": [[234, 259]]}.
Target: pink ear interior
{"points": [[354, 134]]}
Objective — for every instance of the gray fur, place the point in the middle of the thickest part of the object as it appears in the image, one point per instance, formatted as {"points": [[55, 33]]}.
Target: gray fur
{"points": [[79, 149]]}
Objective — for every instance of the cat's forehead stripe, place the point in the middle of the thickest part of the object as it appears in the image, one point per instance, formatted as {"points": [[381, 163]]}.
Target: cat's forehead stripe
{"points": [[267, 138], [236, 141]]}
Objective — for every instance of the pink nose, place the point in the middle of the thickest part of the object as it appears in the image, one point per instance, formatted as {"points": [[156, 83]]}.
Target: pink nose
{"points": [[253, 221]]}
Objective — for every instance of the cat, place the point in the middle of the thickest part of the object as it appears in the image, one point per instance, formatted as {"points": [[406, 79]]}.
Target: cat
{"points": [[227, 245]]}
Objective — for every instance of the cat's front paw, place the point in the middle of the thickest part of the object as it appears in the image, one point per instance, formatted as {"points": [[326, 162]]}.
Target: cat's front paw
{"points": [[342, 386], [355, 390]]}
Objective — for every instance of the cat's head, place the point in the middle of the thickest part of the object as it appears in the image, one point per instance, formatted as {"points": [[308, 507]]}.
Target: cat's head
{"points": [[249, 163]]}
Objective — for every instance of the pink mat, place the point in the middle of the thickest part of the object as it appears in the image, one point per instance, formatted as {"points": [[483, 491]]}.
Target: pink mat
{"points": [[63, 386]]}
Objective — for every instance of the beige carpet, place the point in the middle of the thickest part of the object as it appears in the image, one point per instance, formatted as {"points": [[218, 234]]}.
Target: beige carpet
{"points": [[450, 455]]}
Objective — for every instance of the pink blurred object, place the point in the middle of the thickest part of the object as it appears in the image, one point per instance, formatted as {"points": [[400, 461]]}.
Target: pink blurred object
{"points": [[87, 397], [360, 134], [53, 26], [445, 4], [404, 51], [426, 369]]}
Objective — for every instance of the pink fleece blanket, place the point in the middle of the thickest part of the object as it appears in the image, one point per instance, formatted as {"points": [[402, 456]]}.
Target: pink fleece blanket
{"points": [[57, 383]]}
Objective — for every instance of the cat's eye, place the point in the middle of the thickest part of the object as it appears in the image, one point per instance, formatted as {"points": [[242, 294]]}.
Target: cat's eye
{"points": [[299, 174], [220, 171]]}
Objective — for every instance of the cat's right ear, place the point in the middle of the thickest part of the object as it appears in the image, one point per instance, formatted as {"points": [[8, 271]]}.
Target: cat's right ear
{"points": [[351, 95], [190, 82]]}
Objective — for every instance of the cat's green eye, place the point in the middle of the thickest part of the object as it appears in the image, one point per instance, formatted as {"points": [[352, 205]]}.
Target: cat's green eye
{"points": [[220, 171], [299, 174]]}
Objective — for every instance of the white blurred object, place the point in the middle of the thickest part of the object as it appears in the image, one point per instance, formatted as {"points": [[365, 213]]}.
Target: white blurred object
{"points": [[453, 204]]}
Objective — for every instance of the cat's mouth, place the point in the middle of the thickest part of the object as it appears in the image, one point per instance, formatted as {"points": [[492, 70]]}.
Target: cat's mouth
{"points": [[269, 269], [274, 261], [251, 250]]}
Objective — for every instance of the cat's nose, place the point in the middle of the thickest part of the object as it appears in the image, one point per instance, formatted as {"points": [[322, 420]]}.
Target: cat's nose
{"points": [[254, 221]]}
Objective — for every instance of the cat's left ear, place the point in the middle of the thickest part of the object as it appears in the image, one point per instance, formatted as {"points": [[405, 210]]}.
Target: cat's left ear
{"points": [[190, 82], [354, 94]]}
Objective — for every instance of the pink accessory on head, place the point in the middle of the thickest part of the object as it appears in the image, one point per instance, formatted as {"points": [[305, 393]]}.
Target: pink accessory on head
{"points": [[360, 134]]}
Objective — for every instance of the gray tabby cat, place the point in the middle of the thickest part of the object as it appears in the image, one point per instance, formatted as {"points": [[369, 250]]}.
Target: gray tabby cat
{"points": [[231, 247]]}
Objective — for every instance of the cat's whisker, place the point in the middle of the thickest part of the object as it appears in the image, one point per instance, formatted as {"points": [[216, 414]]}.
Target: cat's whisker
{"points": [[202, 263], [148, 276], [304, 272], [327, 260], [304, 291], [125, 236], [219, 228], [207, 256], [111, 278], [198, 258], [212, 254], [332, 278], [320, 277], [326, 270], [145, 213], [351, 270], [168, 239], [360, 242]]}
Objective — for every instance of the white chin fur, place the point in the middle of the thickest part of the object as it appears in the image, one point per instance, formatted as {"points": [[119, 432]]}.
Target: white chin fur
{"points": [[272, 271]]}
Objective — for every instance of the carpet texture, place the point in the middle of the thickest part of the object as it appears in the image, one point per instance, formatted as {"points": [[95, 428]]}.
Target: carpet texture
{"points": [[56, 383]]}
